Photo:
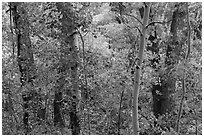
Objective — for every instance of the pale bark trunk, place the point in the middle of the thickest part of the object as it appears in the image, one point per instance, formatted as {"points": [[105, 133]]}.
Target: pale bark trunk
{"points": [[137, 71], [75, 93]]}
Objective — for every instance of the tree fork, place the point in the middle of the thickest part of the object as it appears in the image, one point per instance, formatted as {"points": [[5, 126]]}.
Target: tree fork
{"points": [[137, 72], [86, 83]]}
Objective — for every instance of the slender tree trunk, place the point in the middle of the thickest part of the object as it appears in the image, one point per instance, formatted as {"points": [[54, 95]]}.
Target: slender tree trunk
{"points": [[137, 72], [24, 57], [58, 117], [75, 93], [196, 119], [184, 72], [119, 111], [10, 96], [59, 87], [86, 92]]}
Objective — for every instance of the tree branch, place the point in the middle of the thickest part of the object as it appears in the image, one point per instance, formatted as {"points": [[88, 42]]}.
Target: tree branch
{"points": [[158, 22], [136, 28], [134, 17], [145, 4]]}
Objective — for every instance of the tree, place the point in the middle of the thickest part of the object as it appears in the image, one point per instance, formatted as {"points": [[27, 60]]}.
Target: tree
{"points": [[24, 57], [137, 69], [162, 102], [101, 68], [69, 38]]}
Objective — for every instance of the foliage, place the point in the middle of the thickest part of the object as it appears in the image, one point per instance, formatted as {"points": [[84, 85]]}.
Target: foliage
{"points": [[110, 32]]}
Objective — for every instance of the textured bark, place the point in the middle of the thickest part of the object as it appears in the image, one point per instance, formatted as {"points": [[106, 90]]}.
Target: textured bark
{"points": [[59, 86], [74, 79], [170, 59], [70, 60], [24, 57], [58, 118], [161, 92], [137, 71]]}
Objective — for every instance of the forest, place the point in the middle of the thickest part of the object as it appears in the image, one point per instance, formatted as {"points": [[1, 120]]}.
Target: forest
{"points": [[101, 68]]}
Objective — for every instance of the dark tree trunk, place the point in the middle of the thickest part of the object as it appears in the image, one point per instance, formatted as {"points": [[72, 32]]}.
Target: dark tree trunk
{"points": [[26, 113], [41, 114], [24, 57], [158, 98], [69, 60], [58, 118], [161, 92], [41, 107], [74, 120], [59, 88]]}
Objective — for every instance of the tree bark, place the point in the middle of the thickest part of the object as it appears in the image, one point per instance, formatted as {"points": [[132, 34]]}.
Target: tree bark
{"points": [[138, 71], [162, 101], [75, 93], [70, 60], [58, 117], [24, 57]]}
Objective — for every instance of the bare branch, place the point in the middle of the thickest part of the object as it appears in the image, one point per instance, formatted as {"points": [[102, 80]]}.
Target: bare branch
{"points": [[134, 17], [135, 27], [139, 30], [85, 34], [158, 22], [145, 4]]}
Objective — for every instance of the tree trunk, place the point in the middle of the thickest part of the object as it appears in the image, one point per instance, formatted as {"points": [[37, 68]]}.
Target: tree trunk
{"points": [[24, 57], [70, 60], [58, 117], [119, 110], [74, 79], [162, 101], [137, 72]]}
